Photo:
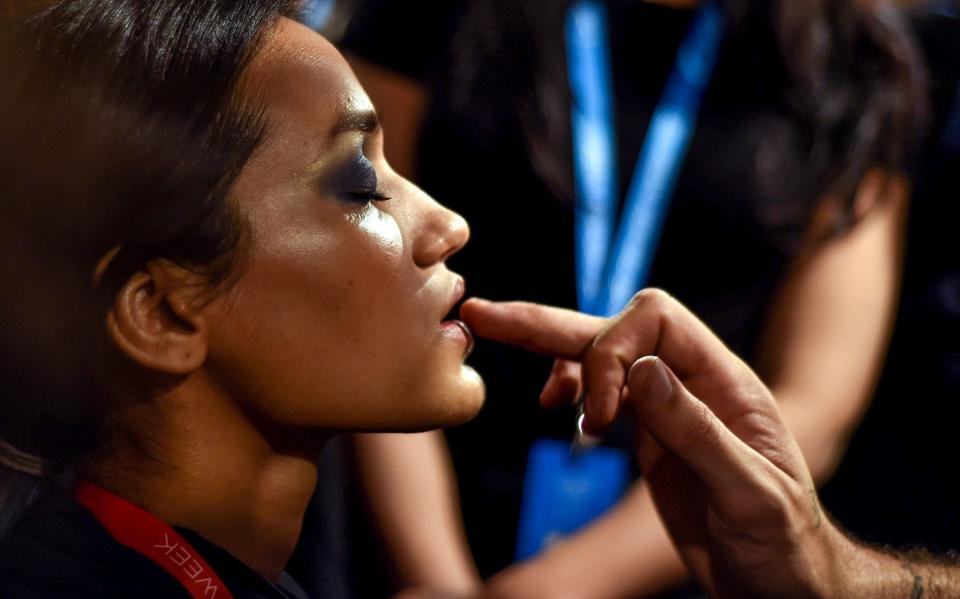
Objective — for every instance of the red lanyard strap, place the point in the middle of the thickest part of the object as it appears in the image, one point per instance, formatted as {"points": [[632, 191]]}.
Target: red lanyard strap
{"points": [[153, 538]]}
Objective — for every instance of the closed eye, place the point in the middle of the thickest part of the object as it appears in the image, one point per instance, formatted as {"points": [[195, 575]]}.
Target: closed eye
{"points": [[363, 197]]}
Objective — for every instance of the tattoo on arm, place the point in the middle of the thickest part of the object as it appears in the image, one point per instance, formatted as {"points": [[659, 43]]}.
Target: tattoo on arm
{"points": [[917, 591]]}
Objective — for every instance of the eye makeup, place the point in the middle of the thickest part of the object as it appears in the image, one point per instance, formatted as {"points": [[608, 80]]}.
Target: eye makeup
{"points": [[356, 180]]}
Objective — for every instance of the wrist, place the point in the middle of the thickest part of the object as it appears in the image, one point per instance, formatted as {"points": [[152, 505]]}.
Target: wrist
{"points": [[860, 571], [831, 565], [846, 565]]}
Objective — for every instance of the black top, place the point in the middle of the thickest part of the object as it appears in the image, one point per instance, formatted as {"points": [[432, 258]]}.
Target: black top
{"points": [[59, 549], [736, 222]]}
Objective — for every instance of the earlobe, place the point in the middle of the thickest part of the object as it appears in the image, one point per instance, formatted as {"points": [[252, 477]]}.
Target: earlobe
{"points": [[155, 322]]}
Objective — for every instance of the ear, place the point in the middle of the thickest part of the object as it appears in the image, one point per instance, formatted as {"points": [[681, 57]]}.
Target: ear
{"points": [[156, 321]]}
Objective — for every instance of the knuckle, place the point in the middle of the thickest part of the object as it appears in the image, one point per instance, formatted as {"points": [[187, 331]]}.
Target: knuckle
{"points": [[610, 350], [571, 379], [652, 297], [600, 348], [568, 376]]}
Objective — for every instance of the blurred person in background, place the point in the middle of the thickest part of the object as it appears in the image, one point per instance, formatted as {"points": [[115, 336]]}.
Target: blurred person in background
{"points": [[784, 230], [909, 434]]}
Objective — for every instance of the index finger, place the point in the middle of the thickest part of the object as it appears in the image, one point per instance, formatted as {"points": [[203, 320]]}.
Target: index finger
{"points": [[554, 332]]}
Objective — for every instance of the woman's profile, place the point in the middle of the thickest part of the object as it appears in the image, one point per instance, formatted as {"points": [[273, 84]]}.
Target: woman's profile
{"points": [[208, 269]]}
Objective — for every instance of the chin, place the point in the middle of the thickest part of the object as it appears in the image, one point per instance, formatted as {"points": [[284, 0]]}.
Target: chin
{"points": [[467, 403], [458, 402]]}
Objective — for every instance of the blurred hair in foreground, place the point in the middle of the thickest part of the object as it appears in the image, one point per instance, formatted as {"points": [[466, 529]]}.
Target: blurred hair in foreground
{"points": [[122, 131]]}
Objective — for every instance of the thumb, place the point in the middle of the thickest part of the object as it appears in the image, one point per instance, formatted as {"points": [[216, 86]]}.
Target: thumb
{"points": [[686, 428]]}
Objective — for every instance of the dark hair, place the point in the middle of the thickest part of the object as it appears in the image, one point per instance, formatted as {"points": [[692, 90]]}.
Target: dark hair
{"points": [[123, 124], [852, 75]]}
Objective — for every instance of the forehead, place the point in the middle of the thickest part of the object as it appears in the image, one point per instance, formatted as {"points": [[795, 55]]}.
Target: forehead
{"points": [[305, 82]]}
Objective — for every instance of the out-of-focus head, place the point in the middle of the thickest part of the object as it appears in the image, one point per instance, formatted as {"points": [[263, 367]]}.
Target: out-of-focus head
{"points": [[196, 190]]}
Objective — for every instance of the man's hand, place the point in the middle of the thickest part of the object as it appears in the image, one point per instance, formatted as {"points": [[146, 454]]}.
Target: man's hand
{"points": [[729, 480]]}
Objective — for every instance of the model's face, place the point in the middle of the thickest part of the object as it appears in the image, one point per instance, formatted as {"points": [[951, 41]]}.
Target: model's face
{"points": [[338, 318]]}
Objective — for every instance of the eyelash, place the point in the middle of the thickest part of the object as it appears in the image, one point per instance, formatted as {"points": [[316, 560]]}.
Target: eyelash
{"points": [[363, 197]]}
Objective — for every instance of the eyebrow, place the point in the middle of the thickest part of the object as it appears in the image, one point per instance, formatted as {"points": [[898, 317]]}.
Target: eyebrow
{"points": [[358, 120]]}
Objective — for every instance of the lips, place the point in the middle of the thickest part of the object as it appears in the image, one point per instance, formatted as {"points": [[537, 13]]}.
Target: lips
{"points": [[451, 319], [456, 297], [468, 334]]}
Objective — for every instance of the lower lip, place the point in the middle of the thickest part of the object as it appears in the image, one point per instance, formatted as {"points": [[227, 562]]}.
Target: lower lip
{"points": [[460, 330]]}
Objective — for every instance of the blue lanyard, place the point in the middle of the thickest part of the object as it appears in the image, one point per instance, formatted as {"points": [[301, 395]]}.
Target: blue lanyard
{"points": [[614, 261], [315, 14]]}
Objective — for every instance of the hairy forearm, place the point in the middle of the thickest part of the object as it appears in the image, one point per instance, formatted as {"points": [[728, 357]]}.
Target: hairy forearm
{"points": [[883, 573], [627, 553]]}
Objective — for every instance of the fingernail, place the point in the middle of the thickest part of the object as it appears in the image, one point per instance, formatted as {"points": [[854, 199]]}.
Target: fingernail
{"points": [[661, 385]]}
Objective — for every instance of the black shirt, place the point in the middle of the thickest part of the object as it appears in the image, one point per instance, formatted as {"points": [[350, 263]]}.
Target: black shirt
{"points": [[59, 550]]}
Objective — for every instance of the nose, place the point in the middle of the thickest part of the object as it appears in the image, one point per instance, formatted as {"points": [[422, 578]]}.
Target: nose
{"points": [[444, 233]]}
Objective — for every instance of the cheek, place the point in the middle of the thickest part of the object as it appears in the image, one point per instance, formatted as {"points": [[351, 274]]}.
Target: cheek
{"points": [[313, 330], [377, 287], [382, 229]]}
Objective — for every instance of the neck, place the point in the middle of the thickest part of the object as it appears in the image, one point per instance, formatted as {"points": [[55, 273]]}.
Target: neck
{"points": [[214, 472]]}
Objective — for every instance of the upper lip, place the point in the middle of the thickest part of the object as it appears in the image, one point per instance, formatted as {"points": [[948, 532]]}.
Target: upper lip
{"points": [[459, 289]]}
